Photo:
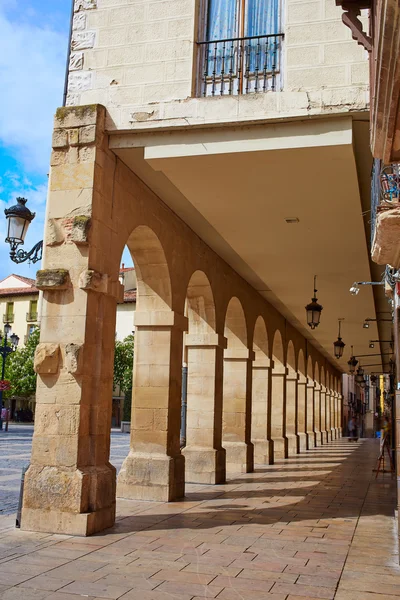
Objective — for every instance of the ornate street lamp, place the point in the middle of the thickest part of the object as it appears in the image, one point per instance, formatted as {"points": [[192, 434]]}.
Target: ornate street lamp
{"points": [[19, 218], [353, 362], [339, 345], [5, 350], [373, 379], [314, 309], [359, 378]]}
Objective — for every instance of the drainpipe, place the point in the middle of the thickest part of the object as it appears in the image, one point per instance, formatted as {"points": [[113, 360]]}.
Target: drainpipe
{"points": [[184, 405], [68, 54]]}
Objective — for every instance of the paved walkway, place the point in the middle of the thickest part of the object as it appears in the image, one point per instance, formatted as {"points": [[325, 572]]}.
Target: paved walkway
{"points": [[318, 526]]}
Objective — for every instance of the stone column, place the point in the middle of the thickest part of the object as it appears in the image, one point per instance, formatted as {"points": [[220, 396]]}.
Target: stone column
{"points": [[237, 410], [339, 414], [291, 412], [263, 451], [329, 414], [310, 413], [333, 415], [278, 412], [324, 431], [317, 414], [204, 455], [70, 484], [155, 468], [302, 413]]}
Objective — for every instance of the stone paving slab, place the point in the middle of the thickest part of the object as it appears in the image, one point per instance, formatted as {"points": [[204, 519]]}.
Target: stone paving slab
{"points": [[317, 526]]}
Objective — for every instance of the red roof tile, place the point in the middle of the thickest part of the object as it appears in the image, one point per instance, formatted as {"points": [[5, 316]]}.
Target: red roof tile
{"points": [[25, 291], [130, 296]]}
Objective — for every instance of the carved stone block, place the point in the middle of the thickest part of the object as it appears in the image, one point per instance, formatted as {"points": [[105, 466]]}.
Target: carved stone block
{"points": [[47, 358], [80, 229], [52, 279], [73, 358], [93, 281]]}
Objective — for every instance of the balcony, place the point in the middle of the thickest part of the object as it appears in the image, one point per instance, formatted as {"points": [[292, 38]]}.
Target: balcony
{"points": [[31, 317], [244, 65], [8, 318], [385, 214]]}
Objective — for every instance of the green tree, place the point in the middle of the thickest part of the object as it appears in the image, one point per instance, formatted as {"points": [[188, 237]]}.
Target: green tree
{"points": [[19, 368], [123, 363]]}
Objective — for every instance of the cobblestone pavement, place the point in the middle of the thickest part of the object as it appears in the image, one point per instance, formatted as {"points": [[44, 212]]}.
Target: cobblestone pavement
{"points": [[15, 453], [318, 526]]}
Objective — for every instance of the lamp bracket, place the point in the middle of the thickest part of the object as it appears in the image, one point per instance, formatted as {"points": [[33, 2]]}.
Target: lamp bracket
{"points": [[20, 256]]}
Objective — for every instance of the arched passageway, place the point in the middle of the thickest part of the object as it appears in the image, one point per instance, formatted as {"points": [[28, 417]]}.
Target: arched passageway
{"points": [[261, 395], [205, 457], [237, 392], [278, 398]]}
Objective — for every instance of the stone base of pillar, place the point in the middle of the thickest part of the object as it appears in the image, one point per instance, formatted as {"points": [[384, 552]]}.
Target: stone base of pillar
{"points": [[331, 434], [291, 442], [54, 521], [56, 499], [339, 432], [204, 465], [280, 448], [310, 440], [335, 433], [318, 439], [239, 457], [302, 442], [152, 477], [263, 452], [325, 437]]}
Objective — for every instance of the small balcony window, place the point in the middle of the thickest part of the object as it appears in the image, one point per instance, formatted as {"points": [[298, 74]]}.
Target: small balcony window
{"points": [[241, 53]]}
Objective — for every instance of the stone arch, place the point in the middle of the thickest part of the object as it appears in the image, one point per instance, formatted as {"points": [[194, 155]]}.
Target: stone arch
{"points": [[260, 393], [153, 276], [202, 386], [278, 398], [237, 391], [290, 407]]}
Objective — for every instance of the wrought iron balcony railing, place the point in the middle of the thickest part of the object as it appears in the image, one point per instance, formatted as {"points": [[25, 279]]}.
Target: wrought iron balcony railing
{"points": [[8, 318], [31, 317], [385, 189], [240, 65]]}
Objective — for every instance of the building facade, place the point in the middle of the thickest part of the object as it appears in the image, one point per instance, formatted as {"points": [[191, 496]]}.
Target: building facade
{"points": [[19, 305], [223, 143]]}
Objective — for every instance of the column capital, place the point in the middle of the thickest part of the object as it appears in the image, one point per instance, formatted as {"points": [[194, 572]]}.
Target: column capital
{"points": [[161, 318], [292, 376], [205, 340], [263, 362], [310, 383], [280, 371]]}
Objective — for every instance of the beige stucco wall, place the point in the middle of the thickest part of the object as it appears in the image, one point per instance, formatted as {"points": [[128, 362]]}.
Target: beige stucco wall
{"points": [[137, 59], [125, 322], [21, 308]]}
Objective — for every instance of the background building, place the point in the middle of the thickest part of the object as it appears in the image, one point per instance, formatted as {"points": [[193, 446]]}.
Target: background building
{"points": [[19, 305]]}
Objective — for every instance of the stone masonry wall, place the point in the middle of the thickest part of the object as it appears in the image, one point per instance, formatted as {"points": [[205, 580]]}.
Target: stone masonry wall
{"points": [[137, 58]]}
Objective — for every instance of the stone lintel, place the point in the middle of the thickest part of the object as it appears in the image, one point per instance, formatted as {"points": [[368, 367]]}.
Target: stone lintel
{"points": [[209, 340], [80, 116], [239, 354], [161, 318], [52, 279]]}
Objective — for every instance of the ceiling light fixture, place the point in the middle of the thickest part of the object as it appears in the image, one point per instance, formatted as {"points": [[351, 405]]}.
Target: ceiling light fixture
{"points": [[339, 345], [314, 309]]}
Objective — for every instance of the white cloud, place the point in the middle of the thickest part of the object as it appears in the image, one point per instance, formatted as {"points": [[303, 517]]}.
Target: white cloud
{"points": [[32, 66]]}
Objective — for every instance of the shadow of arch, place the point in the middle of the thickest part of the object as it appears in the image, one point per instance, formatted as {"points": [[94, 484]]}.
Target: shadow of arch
{"points": [[260, 394], [278, 398], [203, 361], [237, 392]]}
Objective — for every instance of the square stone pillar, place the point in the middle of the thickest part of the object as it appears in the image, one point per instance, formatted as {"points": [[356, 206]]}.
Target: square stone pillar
{"points": [[324, 414], [329, 415], [310, 413], [339, 414], [155, 468], [278, 412], [317, 414], [302, 413], [205, 458], [70, 484], [333, 415], [263, 451], [291, 413], [237, 410]]}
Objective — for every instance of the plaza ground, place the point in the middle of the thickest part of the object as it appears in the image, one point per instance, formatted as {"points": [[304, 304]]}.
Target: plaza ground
{"points": [[315, 526]]}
